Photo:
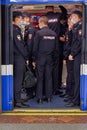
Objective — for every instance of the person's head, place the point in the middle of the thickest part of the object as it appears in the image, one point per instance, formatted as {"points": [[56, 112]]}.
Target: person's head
{"points": [[17, 17], [26, 18], [43, 21], [49, 8], [76, 16]]}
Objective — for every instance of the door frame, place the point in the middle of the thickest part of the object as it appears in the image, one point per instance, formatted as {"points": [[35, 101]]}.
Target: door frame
{"points": [[0, 66], [12, 45]]}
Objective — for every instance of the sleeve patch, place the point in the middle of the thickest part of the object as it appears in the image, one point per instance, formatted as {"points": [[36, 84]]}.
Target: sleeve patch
{"points": [[80, 32], [19, 37]]}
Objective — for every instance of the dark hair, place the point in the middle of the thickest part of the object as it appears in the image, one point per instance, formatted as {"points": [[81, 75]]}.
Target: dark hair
{"points": [[16, 14], [26, 14], [79, 13], [44, 19], [49, 6], [63, 17]]}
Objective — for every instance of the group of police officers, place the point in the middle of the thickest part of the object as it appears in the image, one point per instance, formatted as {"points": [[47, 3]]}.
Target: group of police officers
{"points": [[58, 40]]}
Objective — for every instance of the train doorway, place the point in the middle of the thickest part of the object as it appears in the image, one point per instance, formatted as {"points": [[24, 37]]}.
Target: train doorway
{"points": [[36, 11]]}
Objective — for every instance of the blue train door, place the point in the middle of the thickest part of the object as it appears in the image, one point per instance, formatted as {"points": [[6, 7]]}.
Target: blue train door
{"points": [[6, 58], [0, 58], [83, 74], [7, 55]]}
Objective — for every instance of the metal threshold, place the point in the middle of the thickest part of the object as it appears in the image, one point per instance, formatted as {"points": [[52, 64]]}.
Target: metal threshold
{"points": [[46, 112]]}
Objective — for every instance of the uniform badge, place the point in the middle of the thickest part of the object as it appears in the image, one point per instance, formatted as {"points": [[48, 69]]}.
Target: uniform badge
{"points": [[80, 32], [30, 36], [19, 37]]}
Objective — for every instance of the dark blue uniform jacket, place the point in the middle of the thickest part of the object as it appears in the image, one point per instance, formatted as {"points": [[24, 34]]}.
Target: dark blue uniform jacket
{"points": [[45, 43], [20, 49]]}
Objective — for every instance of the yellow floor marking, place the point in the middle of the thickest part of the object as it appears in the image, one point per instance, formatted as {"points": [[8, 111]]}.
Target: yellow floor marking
{"points": [[43, 112]]}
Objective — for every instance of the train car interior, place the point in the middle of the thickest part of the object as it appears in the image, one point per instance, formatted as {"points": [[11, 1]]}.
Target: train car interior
{"points": [[36, 11]]}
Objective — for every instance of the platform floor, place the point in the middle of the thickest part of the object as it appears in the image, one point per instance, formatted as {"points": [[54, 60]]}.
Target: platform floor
{"points": [[43, 119]]}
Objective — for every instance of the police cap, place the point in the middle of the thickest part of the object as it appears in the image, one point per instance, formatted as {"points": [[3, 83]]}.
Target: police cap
{"points": [[77, 12], [16, 14]]}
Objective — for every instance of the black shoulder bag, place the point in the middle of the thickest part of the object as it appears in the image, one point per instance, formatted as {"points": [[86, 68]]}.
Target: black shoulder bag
{"points": [[29, 79]]}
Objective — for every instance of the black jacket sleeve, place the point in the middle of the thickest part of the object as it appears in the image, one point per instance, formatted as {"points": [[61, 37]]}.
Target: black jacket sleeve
{"points": [[56, 50], [77, 43], [30, 39], [36, 45], [66, 51], [19, 44], [67, 45]]}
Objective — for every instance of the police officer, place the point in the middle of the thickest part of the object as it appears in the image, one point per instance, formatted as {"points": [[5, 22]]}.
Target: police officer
{"points": [[63, 29], [75, 55], [20, 58], [54, 24], [53, 19], [29, 32], [69, 64], [29, 39], [44, 47]]}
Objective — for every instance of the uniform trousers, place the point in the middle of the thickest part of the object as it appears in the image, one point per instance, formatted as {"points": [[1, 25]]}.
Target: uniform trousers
{"points": [[44, 76], [70, 78], [77, 62], [19, 69]]}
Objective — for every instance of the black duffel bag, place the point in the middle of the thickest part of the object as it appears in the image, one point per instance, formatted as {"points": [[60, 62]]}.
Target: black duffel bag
{"points": [[29, 79]]}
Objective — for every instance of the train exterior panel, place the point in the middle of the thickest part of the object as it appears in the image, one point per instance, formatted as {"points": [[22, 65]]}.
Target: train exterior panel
{"points": [[6, 48]]}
